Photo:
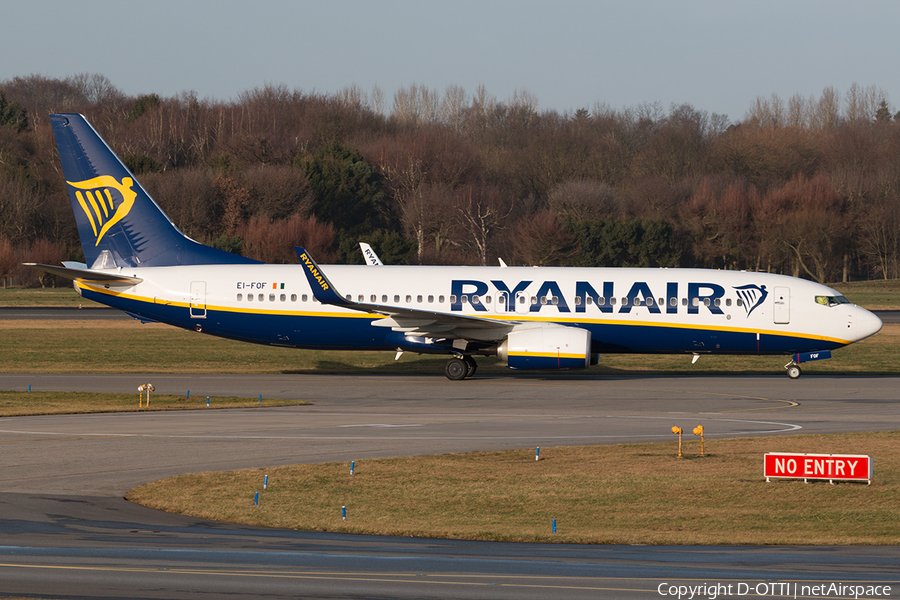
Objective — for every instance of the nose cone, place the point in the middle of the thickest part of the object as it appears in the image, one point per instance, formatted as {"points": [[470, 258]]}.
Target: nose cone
{"points": [[865, 324]]}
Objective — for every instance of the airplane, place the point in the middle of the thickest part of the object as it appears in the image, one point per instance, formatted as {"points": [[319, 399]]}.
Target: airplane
{"points": [[138, 261]]}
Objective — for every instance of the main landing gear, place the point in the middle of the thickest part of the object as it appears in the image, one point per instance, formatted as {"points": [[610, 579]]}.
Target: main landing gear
{"points": [[460, 367], [793, 370]]}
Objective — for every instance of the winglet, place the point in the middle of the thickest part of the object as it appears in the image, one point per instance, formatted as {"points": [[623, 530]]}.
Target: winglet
{"points": [[322, 289], [369, 255]]}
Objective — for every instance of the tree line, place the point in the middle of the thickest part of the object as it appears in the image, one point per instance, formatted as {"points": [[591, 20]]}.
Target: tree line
{"points": [[803, 186]]}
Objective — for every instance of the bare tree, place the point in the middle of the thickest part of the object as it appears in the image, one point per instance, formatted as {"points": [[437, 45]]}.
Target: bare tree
{"points": [[540, 239], [812, 225], [827, 111], [45, 252], [377, 101], [453, 108], [9, 261], [274, 241], [480, 212], [584, 200], [415, 106]]}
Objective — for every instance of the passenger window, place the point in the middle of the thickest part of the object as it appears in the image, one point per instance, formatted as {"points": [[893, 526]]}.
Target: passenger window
{"points": [[374, 298], [304, 298], [293, 297], [419, 299], [271, 297], [396, 298], [578, 300], [384, 298], [440, 299], [284, 297], [430, 299], [728, 302], [555, 299], [673, 301], [740, 302], [465, 299], [261, 297], [240, 297], [408, 299]]}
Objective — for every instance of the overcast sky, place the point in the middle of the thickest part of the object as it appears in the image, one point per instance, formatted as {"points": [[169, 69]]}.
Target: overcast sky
{"points": [[716, 55]]}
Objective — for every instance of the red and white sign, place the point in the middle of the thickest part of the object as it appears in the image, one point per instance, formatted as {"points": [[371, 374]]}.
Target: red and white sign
{"points": [[840, 467]]}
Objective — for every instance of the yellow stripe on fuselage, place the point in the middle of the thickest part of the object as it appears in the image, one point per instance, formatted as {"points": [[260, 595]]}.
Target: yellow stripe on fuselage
{"points": [[515, 318]]}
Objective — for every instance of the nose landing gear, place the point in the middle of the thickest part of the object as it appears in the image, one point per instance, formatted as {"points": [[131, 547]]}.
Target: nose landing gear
{"points": [[793, 370]]}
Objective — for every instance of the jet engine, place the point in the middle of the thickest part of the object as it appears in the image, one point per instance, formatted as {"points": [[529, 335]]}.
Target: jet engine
{"points": [[547, 347]]}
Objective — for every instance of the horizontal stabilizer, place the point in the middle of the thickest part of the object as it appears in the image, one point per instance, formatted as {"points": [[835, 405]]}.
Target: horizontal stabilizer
{"points": [[85, 274]]}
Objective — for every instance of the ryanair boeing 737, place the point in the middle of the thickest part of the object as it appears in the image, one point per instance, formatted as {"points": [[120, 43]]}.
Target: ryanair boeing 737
{"points": [[138, 261]]}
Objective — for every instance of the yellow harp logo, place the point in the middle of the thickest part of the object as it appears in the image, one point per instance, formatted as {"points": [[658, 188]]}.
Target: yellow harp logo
{"points": [[99, 204]]}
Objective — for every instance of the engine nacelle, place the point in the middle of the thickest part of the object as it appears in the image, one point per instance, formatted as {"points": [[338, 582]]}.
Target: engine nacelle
{"points": [[547, 347]]}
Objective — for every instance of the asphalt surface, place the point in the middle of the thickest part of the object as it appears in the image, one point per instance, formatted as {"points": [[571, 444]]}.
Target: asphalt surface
{"points": [[66, 532]]}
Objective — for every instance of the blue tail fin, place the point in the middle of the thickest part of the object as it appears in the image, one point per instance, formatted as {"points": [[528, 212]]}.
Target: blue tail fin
{"points": [[119, 223]]}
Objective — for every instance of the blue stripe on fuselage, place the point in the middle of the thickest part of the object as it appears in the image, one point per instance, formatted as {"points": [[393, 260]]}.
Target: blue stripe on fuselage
{"points": [[327, 331]]}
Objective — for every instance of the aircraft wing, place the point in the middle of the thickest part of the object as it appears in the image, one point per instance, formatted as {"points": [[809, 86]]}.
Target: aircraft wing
{"points": [[86, 274], [413, 321]]}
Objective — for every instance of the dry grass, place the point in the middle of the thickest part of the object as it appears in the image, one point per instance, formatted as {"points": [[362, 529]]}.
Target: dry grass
{"points": [[14, 404], [627, 494], [881, 294]]}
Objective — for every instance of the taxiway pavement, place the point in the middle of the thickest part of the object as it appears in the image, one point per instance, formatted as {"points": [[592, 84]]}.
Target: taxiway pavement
{"points": [[65, 529]]}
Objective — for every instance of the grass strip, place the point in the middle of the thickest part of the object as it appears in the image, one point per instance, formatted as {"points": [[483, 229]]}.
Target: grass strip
{"points": [[623, 494], [32, 346], [14, 404]]}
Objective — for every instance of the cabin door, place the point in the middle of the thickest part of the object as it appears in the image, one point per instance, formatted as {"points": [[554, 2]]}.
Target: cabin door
{"points": [[782, 305], [198, 299]]}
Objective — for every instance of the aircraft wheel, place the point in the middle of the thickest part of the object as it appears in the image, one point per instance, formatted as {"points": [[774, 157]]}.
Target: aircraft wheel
{"points": [[456, 369], [471, 364], [793, 371]]}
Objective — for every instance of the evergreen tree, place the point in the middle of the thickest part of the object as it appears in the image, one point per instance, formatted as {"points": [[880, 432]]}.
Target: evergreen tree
{"points": [[12, 114], [347, 190]]}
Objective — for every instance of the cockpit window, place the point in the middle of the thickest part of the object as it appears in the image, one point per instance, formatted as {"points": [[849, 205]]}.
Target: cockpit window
{"points": [[831, 300]]}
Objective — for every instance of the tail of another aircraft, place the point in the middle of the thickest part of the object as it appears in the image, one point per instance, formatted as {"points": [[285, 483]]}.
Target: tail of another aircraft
{"points": [[119, 223]]}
